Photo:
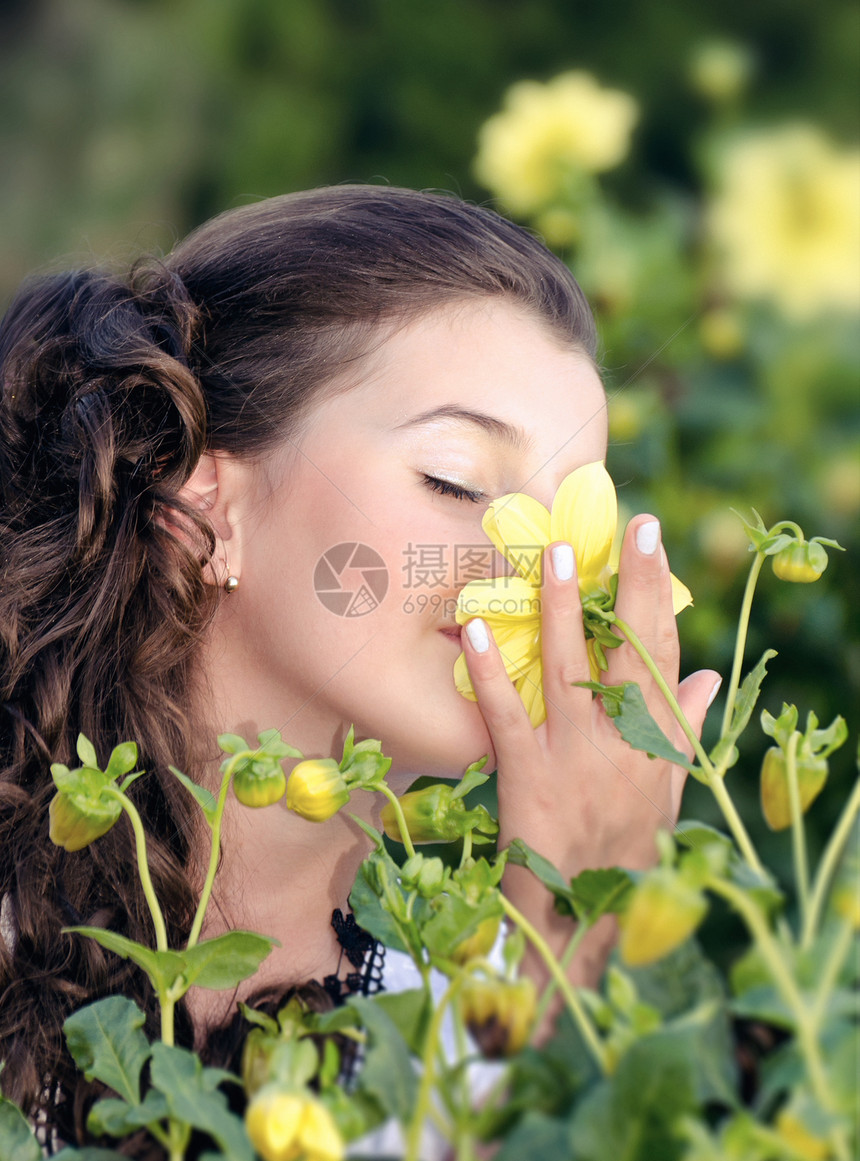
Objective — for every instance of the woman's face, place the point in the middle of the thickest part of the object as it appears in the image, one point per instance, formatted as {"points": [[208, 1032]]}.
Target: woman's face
{"points": [[459, 407]]}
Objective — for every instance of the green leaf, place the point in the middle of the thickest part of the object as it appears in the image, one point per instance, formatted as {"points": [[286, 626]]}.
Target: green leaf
{"points": [[387, 1073], [123, 759], [411, 1011], [116, 1118], [204, 798], [216, 963], [472, 779], [374, 916], [162, 967], [601, 891], [274, 746], [698, 835], [108, 1044], [538, 1135], [226, 960], [90, 1153], [520, 854], [87, 752], [192, 1097], [455, 919], [639, 729], [748, 695], [232, 743], [633, 1113], [17, 1142]]}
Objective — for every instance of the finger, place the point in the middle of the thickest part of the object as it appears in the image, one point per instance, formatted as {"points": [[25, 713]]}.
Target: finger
{"points": [[696, 694], [501, 706], [563, 651], [644, 602]]}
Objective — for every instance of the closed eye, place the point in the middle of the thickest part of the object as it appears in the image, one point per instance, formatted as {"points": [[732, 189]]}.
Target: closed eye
{"points": [[446, 488]]}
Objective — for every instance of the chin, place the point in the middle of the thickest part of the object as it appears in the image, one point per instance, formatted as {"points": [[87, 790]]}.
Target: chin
{"points": [[443, 752]]}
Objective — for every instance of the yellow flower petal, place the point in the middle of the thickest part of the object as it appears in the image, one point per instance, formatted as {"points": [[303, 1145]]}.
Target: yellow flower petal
{"points": [[585, 513], [518, 525], [500, 600], [518, 645], [462, 680], [681, 595], [530, 689]]}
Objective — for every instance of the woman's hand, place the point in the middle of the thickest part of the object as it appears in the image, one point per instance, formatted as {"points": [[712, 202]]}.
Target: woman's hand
{"points": [[573, 788]]}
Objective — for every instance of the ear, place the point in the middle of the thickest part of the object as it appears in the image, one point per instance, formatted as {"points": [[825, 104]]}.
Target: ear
{"points": [[218, 488]]}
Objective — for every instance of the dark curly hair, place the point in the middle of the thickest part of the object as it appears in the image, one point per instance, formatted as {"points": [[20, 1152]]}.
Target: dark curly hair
{"points": [[112, 388]]}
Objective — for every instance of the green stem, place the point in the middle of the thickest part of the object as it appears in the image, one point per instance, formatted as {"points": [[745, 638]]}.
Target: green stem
{"points": [[798, 833], [741, 641], [830, 975], [577, 1011], [167, 1010], [736, 826], [143, 867], [399, 815], [828, 863], [214, 854], [421, 1112], [663, 686], [786, 985], [466, 853], [713, 779]]}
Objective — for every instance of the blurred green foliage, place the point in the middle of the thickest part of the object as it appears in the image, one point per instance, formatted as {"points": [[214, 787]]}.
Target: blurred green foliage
{"points": [[127, 122]]}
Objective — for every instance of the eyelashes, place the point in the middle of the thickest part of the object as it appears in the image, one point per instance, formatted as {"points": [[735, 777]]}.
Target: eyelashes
{"points": [[446, 488]]}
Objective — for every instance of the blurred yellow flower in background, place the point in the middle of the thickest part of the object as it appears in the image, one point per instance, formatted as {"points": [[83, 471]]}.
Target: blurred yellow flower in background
{"points": [[786, 221], [547, 133]]}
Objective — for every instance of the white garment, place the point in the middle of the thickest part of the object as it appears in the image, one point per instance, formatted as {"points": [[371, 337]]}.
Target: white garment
{"points": [[400, 975]]}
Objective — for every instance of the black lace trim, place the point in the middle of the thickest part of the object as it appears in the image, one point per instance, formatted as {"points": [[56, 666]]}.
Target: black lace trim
{"points": [[367, 956]]}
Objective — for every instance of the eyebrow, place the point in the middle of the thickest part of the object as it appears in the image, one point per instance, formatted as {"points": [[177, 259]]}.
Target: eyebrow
{"points": [[498, 428]]}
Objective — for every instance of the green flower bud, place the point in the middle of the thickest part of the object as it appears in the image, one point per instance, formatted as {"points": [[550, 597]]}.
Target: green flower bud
{"points": [[81, 811], [775, 800], [292, 1126], [426, 876], [317, 789], [76, 820], [436, 815], [499, 1013], [800, 562], [663, 912], [259, 782]]}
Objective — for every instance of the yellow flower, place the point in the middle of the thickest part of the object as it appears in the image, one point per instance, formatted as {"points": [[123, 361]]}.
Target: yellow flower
{"points": [[292, 1126], [663, 913], [499, 1013], [786, 221], [585, 514], [547, 133], [316, 789]]}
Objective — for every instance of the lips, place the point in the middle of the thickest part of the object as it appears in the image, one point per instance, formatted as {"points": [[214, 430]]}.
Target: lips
{"points": [[452, 632]]}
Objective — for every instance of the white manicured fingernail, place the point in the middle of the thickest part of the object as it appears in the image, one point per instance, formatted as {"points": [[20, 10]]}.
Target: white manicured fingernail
{"points": [[715, 691], [648, 537], [562, 561], [478, 635]]}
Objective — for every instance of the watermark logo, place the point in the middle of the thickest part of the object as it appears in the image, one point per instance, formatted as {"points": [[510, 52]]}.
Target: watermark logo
{"points": [[351, 579]]}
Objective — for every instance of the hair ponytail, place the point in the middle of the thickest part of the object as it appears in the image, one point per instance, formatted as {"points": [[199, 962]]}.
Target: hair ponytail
{"points": [[101, 606]]}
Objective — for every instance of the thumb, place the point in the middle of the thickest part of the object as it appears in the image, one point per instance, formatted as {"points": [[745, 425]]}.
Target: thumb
{"points": [[695, 695]]}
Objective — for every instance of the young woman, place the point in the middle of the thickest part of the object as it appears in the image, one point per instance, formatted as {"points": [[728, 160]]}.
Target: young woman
{"points": [[178, 451]]}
